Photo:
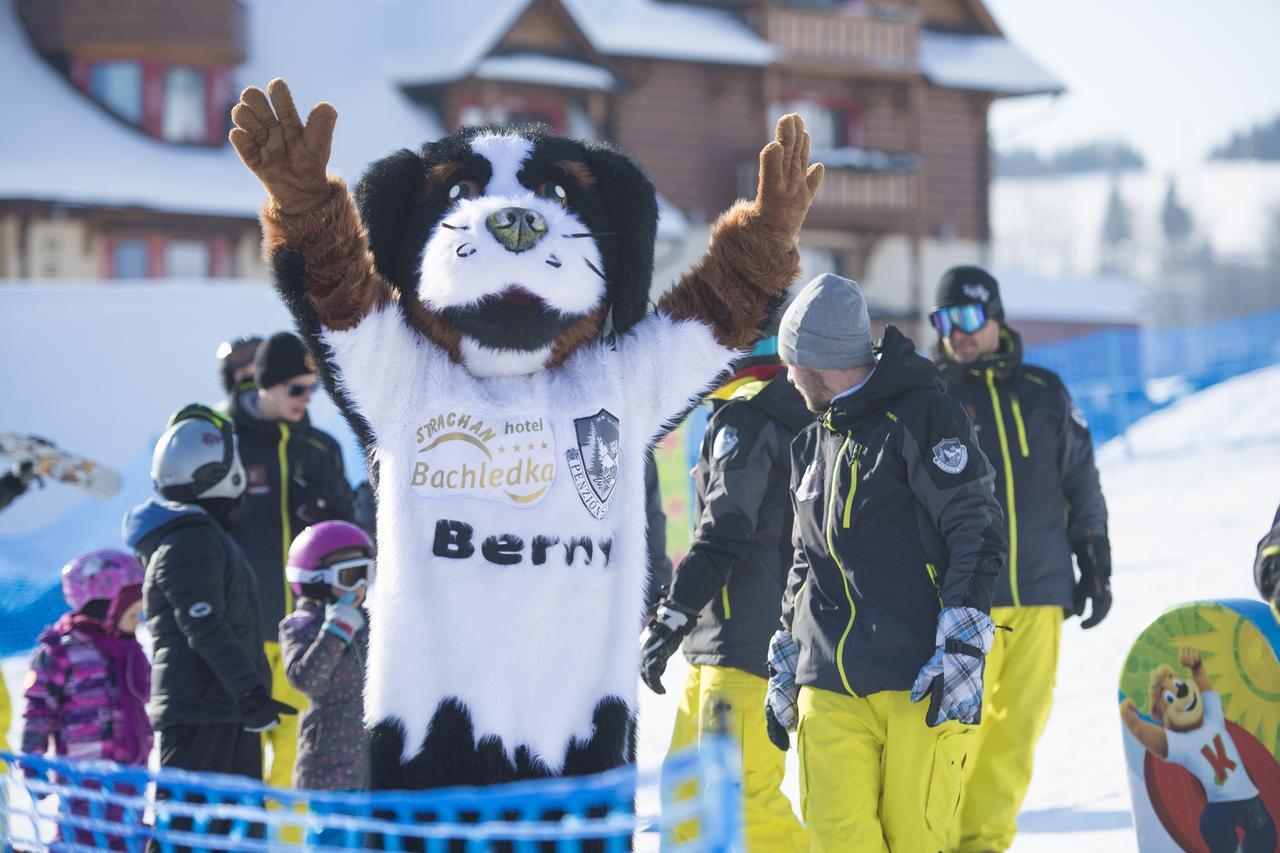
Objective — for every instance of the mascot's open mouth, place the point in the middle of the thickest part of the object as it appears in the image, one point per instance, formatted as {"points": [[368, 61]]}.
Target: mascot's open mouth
{"points": [[514, 319], [1195, 700]]}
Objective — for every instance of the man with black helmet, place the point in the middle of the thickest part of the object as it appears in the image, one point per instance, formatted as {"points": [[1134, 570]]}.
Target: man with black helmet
{"points": [[295, 478], [210, 682], [1048, 487], [235, 365]]}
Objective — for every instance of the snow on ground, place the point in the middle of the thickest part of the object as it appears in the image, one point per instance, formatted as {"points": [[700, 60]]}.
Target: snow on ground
{"points": [[1190, 494]]}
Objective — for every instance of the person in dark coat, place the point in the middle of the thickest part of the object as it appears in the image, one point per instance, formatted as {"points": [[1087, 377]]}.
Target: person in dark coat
{"points": [[726, 595], [295, 478], [898, 543], [1048, 487], [210, 697]]}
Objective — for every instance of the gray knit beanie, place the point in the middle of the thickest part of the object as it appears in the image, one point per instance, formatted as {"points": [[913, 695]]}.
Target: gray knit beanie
{"points": [[826, 326]]}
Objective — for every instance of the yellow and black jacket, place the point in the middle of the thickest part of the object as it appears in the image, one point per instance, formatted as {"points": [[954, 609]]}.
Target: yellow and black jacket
{"points": [[295, 478], [894, 520], [1046, 479], [737, 565]]}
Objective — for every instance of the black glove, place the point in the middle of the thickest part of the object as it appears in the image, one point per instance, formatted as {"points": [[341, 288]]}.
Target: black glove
{"points": [[1093, 556], [1266, 569], [261, 713], [661, 637], [777, 731]]}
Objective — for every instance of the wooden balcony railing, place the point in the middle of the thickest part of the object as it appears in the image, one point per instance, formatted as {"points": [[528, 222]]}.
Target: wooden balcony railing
{"points": [[849, 38]]}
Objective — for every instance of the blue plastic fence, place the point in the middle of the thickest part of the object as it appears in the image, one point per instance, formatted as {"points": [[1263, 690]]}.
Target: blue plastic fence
{"points": [[1119, 375], [55, 804]]}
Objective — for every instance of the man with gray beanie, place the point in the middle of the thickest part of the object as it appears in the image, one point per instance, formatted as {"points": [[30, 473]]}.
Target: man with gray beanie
{"points": [[898, 541]]}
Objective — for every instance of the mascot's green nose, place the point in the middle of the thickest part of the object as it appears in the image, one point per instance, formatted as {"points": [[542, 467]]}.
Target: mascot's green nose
{"points": [[516, 228]]}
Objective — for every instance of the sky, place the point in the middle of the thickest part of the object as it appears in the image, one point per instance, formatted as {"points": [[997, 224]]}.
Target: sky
{"points": [[1173, 78]]}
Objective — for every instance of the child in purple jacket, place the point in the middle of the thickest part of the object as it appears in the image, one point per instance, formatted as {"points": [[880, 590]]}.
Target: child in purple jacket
{"points": [[89, 680]]}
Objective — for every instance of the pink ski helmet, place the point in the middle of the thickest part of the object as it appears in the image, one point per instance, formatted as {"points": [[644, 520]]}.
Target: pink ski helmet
{"points": [[99, 575], [312, 569]]}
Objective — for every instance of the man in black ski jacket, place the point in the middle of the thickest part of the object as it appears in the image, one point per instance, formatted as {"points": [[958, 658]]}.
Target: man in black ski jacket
{"points": [[898, 542], [295, 478], [726, 594], [1048, 487]]}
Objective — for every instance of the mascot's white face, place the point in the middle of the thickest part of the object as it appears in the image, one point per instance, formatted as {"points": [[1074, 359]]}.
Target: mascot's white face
{"points": [[518, 244], [506, 252]]}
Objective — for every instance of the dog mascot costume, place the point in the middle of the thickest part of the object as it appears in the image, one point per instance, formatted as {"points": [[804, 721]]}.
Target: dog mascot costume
{"points": [[481, 313]]}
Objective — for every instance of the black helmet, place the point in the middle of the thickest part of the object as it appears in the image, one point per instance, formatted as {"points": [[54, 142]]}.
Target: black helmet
{"points": [[233, 355]]}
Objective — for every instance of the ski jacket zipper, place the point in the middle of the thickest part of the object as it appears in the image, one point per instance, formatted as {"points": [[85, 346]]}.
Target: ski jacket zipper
{"points": [[1008, 486]]}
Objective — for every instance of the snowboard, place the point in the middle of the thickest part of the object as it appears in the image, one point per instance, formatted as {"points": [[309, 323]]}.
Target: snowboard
{"points": [[53, 463], [1193, 660]]}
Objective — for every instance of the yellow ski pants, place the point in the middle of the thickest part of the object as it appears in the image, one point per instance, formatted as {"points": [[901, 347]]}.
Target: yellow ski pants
{"points": [[1021, 671], [283, 739], [770, 824], [873, 776]]}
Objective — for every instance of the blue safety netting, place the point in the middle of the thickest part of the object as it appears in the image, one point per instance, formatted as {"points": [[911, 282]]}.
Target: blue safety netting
{"points": [[62, 805], [1119, 375]]}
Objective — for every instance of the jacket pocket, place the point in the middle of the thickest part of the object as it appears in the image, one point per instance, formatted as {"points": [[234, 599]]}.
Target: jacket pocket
{"points": [[947, 780]]}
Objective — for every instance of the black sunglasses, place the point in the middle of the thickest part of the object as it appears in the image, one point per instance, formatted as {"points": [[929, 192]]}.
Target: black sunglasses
{"points": [[297, 389]]}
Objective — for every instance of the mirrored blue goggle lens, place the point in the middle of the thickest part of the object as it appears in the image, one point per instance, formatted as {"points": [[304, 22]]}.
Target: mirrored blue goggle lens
{"points": [[966, 318]]}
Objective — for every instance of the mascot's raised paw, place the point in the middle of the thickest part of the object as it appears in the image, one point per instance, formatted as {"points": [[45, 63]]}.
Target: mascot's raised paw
{"points": [[788, 183], [286, 155]]}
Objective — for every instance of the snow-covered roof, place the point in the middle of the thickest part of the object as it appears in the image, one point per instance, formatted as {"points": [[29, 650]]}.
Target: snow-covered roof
{"points": [[547, 70], [669, 31], [865, 159], [68, 150], [984, 63], [1100, 299]]}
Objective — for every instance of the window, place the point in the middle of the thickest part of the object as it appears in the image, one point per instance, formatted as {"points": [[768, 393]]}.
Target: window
{"points": [[129, 259], [519, 111], [184, 114], [830, 123], [186, 259], [118, 87]]}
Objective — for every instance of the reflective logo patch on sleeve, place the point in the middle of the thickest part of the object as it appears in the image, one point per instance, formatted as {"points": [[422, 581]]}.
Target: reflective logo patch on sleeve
{"points": [[726, 441], [200, 609], [951, 455]]}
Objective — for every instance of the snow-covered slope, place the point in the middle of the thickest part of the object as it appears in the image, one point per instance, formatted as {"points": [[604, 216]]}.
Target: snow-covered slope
{"points": [[1189, 498]]}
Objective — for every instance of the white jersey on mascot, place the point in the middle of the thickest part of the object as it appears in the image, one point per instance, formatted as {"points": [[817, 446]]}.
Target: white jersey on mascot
{"points": [[480, 311]]}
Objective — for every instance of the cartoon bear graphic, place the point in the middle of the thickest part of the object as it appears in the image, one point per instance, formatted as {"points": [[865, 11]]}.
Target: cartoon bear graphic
{"points": [[1193, 734]]}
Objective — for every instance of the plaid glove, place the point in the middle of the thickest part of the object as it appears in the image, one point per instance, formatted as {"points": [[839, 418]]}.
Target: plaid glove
{"points": [[952, 678], [780, 711]]}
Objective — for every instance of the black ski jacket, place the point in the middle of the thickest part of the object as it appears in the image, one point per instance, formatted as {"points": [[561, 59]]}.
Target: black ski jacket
{"points": [[1046, 479], [201, 602], [295, 478], [741, 551], [894, 520]]}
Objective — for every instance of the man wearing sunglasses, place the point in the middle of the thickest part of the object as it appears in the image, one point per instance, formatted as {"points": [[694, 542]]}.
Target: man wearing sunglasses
{"points": [[295, 479], [1047, 485]]}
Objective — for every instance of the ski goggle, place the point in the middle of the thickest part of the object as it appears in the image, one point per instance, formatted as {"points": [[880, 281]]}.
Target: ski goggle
{"points": [[346, 575], [967, 318], [298, 389]]}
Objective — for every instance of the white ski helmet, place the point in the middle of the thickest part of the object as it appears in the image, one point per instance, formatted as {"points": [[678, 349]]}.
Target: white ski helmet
{"points": [[197, 458]]}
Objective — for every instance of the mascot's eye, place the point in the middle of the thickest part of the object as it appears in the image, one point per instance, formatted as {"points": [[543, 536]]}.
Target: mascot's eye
{"points": [[464, 189], [1169, 697], [554, 192]]}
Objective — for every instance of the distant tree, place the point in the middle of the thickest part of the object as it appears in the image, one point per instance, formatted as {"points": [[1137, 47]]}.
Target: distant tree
{"points": [[1260, 142], [1117, 232], [1174, 218], [1090, 157]]}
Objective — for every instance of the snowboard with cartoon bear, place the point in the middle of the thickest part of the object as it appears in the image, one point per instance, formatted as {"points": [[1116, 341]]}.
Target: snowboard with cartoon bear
{"points": [[1200, 702]]}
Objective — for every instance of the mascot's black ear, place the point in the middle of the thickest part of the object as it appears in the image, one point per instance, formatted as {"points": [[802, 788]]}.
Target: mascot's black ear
{"points": [[632, 206], [391, 198]]}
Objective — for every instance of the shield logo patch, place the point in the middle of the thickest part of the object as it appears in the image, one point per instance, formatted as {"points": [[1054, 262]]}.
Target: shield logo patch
{"points": [[594, 462], [950, 455]]}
